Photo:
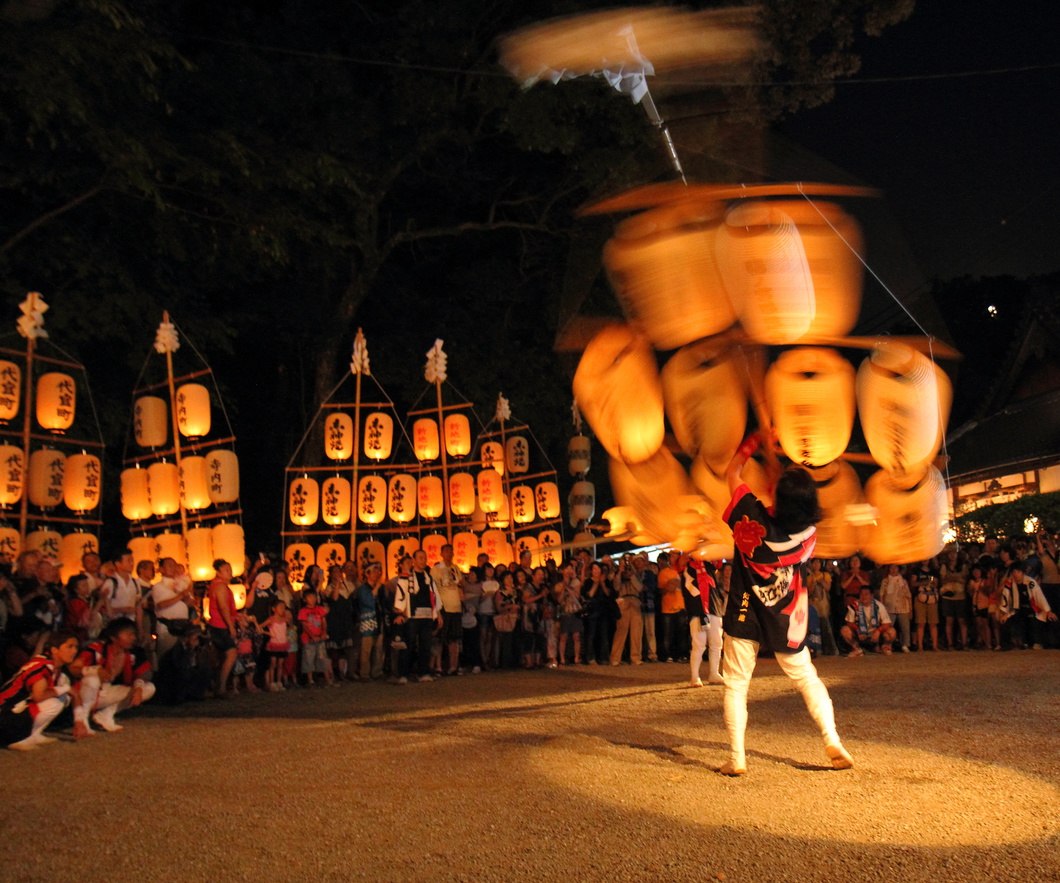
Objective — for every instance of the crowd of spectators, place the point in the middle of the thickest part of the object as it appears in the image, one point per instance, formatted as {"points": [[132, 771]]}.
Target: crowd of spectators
{"points": [[120, 632]]}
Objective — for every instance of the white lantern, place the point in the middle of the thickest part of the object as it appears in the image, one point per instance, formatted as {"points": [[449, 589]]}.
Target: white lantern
{"points": [[335, 500], [303, 501], [378, 435], [163, 481], [193, 410], [581, 502], [401, 498], [150, 421], [579, 455], [546, 497], [338, 436]]}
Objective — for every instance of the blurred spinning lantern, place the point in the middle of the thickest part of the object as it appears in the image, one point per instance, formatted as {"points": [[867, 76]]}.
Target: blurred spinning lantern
{"points": [[911, 513], [838, 489]]}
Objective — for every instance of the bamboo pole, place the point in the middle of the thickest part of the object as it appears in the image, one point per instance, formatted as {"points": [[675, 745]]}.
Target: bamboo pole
{"points": [[176, 432], [445, 464], [355, 494], [27, 431]]}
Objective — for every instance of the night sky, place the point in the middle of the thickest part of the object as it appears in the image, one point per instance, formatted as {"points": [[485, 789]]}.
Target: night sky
{"points": [[961, 135]]}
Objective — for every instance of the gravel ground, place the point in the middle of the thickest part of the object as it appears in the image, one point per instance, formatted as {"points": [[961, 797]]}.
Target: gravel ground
{"points": [[604, 773]]}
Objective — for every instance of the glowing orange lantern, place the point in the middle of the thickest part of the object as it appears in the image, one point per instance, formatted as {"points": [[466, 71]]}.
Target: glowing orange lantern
{"points": [[330, 555], [653, 490], [396, 550], [193, 410], [493, 456], [432, 545], [46, 469], [150, 421], [143, 549], [371, 499], [81, 477], [516, 455], [163, 481], [579, 455], [547, 540], [338, 436], [663, 268], [200, 553], [581, 502], [425, 439], [501, 517], [495, 547], [910, 517], [401, 498], [10, 545], [810, 395], [465, 550], [135, 494], [47, 542], [223, 471], [239, 594], [457, 435], [298, 556], [335, 500], [10, 390], [617, 387], [378, 435], [837, 488], [72, 547], [546, 497], [229, 543], [525, 543], [194, 483], [462, 493], [705, 400], [429, 493], [12, 475], [56, 401], [478, 519], [303, 501], [490, 490], [522, 504]]}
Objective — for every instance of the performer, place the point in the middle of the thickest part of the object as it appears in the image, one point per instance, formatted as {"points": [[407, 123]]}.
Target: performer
{"points": [[767, 603], [705, 605], [36, 694]]}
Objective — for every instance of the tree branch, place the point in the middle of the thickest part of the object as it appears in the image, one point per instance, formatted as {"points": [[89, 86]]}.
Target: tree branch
{"points": [[54, 213]]}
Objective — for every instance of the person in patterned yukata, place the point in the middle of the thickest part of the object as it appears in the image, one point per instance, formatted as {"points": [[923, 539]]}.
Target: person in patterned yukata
{"points": [[768, 605]]}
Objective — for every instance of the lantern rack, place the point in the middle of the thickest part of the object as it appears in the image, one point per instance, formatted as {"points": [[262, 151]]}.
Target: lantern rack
{"points": [[184, 448]]}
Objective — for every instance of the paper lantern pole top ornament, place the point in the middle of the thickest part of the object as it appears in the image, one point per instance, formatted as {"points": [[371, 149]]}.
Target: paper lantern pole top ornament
{"points": [[31, 322]]}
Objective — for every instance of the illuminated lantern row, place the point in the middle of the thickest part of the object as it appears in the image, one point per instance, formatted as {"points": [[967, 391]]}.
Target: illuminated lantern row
{"points": [[162, 487], [617, 387], [56, 401], [193, 410], [150, 421], [10, 390], [378, 436], [196, 550], [579, 455], [46, 471], [12, 475]]}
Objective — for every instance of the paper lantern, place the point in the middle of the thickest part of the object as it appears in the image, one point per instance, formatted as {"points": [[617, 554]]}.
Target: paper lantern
{"points": [[81, 482], [12, 475], [331, 554], [229, 543], [378, 435], [171, 545], [517, 455], [522, 507], [837, 489], [163, 481], [714, 487], [903, 401], [396, 550], [909, 520], [788, 270], [303, 501], [547, 540], [493, 456], [425, 439], [223, 471], [72, 547], [150, 421], [585, 540], [338, 436], [46, 469], [465, 550], [810, 396], [579, 455], [56, 401], [429, 494], [495, 547], [618, 389], [143, 549], [335, 501], [298, 557], [200, 553], [193, 410], [457, 435], [461, 493], [546, 498], [664, 269], [371, 499], [194, 483], [523, 544], [432, 545], [501, 517], [46, 542], [135, 494], [652, 489], [490, 490], [704, 390], [239, 594], [401, 498], [10, 545], [581, 502], [478, 519], [10, 390]]}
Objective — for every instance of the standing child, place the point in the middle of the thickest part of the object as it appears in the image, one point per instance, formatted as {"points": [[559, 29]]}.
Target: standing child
{"points": [[980, 594], [247, 638], [897, 598], [312, 620], [276, 648]]}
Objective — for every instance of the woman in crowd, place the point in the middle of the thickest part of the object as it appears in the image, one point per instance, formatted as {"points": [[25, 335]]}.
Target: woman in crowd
{"points": [[924, 584], [506, 619], [487, 635], [596, 599], [534, 594], [953, 598], [341, 644]]}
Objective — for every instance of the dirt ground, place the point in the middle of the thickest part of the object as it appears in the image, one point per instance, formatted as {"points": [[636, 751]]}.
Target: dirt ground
{"points": [[581, 773]]}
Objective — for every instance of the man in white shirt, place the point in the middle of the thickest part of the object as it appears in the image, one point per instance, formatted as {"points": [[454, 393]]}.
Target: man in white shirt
{"points": [[868, 625], [123, 591], [173, 598], [450, 582]]}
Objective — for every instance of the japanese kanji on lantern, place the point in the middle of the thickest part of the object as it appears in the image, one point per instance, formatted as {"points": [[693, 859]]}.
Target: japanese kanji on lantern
{"points": [[336, 500], [10, 390], [490, 490], [46, 470], [330, 554], [81, 482], [579, 455], [150, 421], [338, 436], [298, 556], [12, 475], [546, 497], [425, 439], [493, 456], [200, 553], [398, 549], [378, 435], [10, 543], [371, 499], [457, 435], [223, 472], [56, 401], [462, 493], [429, 494], [193, 410], [72, 547], [401, 498], [194, 483], [522, 506], [303, 501]]}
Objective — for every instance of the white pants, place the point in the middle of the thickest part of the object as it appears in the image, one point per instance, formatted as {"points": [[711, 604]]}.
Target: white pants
{"points": [[704, 635], [109, 698], [740, 658]]}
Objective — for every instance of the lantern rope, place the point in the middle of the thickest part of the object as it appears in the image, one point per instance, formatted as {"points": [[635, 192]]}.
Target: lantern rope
{"points": [[930, 337]]}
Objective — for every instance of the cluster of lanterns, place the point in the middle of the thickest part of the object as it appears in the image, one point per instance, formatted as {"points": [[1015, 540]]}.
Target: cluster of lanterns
{"points": [[714, 285]]}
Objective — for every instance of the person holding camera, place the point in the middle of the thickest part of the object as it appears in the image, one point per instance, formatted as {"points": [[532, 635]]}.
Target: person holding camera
{"points": [[628, 589]]}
